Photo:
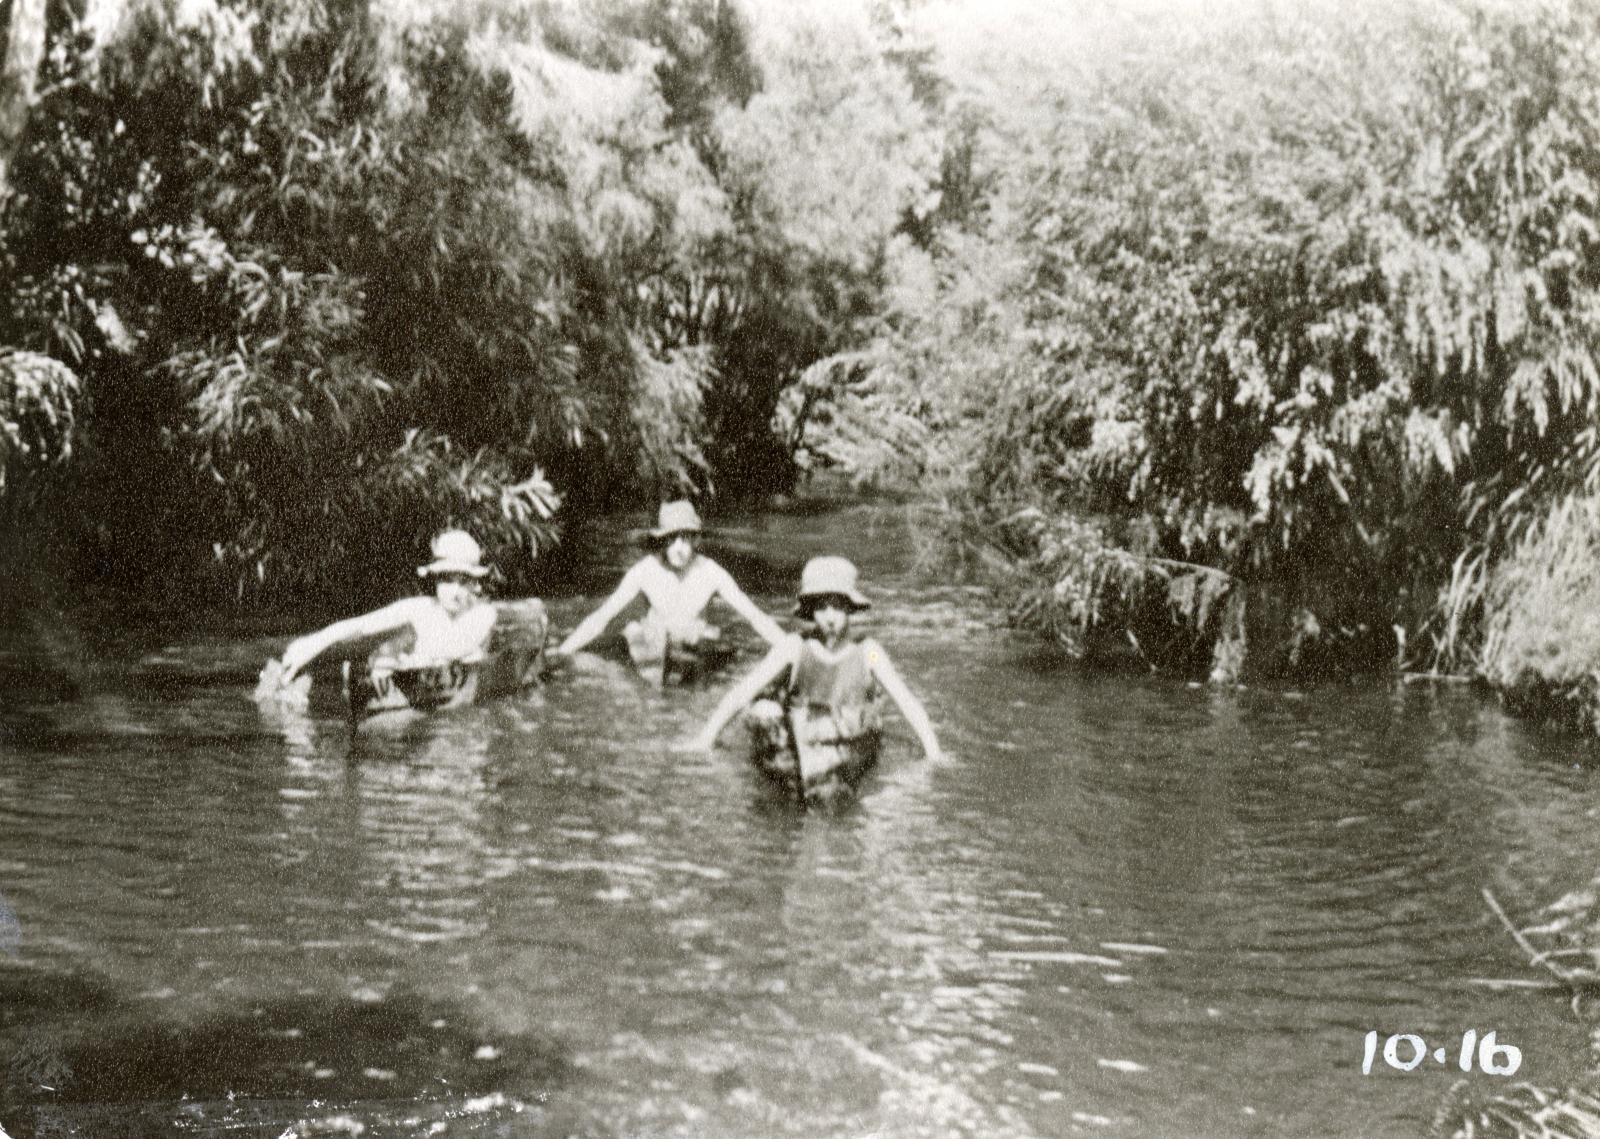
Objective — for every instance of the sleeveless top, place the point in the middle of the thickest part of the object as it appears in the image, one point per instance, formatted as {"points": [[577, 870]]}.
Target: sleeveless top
{"points": [[843, 687]]}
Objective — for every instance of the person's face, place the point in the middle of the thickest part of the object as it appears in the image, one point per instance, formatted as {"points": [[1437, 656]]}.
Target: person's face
{"points": [[679, 550], [455, 591], [831, 613]]}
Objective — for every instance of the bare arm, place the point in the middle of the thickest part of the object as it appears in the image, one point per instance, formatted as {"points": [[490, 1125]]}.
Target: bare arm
{"points": [[768, 669], [910, 707], [730, 592], [303, 650], [595, 623]]}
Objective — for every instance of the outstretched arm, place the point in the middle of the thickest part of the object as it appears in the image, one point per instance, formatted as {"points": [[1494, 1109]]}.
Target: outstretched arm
{"points": [[910, 707], [303, 650], [768, 669], [729, 591], [595, 623]]}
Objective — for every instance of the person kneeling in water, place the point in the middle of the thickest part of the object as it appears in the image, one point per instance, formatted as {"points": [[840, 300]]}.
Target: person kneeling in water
{"points": [[454, 624], [679, 582], [835, 678]]}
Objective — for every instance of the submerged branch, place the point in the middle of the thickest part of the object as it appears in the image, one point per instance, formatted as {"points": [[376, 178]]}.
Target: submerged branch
{"points": [[1534, 956]]}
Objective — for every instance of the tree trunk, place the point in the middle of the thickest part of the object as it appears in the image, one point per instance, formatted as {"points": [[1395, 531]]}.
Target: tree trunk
{"points": [[1232, 647], [21, 49]]}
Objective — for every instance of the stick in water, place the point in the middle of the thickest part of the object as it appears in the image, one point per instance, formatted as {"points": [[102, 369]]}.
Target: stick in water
{"points": [[1534, 956], [799, 771]]}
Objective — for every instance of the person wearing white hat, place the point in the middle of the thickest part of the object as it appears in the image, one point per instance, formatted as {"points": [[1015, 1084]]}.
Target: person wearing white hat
{"points": [[454, 624], [827, 672], [679, 583]]}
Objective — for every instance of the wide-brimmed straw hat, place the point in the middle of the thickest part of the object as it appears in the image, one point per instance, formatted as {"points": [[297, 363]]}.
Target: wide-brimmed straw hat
{"points": [[676, 518], [455, 551], [830, 575]]}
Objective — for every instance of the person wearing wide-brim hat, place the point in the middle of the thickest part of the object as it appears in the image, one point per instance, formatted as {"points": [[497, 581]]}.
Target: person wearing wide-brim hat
{"points": [[453, 624], [827, 672], [679, 583], [827, 577], [674, 519]]}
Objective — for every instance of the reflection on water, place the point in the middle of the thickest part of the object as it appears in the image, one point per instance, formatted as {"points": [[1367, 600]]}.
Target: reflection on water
{"points": [[1122, 906]]}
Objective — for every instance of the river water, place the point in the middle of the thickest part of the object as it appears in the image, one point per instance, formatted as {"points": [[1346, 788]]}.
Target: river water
{"points": [[1121, 906]]}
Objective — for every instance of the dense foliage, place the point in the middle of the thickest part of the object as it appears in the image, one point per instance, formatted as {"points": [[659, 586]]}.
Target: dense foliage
{"points": [[1299, 311], [335, 275], [37, 419], [1263, 341]]}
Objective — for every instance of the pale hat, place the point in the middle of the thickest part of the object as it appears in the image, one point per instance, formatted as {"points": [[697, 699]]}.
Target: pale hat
{"points": [[455, 551], [830, 574], [676, 518]]}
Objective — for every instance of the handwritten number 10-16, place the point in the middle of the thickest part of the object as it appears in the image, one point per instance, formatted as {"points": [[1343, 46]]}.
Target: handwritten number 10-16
{"points": [[1493, 1059]]}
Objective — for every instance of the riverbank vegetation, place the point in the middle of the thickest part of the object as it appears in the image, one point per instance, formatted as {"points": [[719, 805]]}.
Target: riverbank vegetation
{"points": [[328, 276], [1267, 346], [1247, 340], [1564, 943]]}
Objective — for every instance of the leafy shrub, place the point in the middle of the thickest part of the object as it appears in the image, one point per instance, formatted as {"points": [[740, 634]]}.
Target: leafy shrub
{"points": [[38, 415], [337, 272], [1303, 299], [1525, 1111]]}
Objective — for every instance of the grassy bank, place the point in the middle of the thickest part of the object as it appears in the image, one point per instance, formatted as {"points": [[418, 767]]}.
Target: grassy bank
{"points": [[1541, 645]]}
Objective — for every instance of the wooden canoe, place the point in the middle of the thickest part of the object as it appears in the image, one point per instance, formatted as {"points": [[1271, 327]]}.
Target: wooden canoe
{"points": [[800, 748], [514, 661], [366, 675], [660, 658]]}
